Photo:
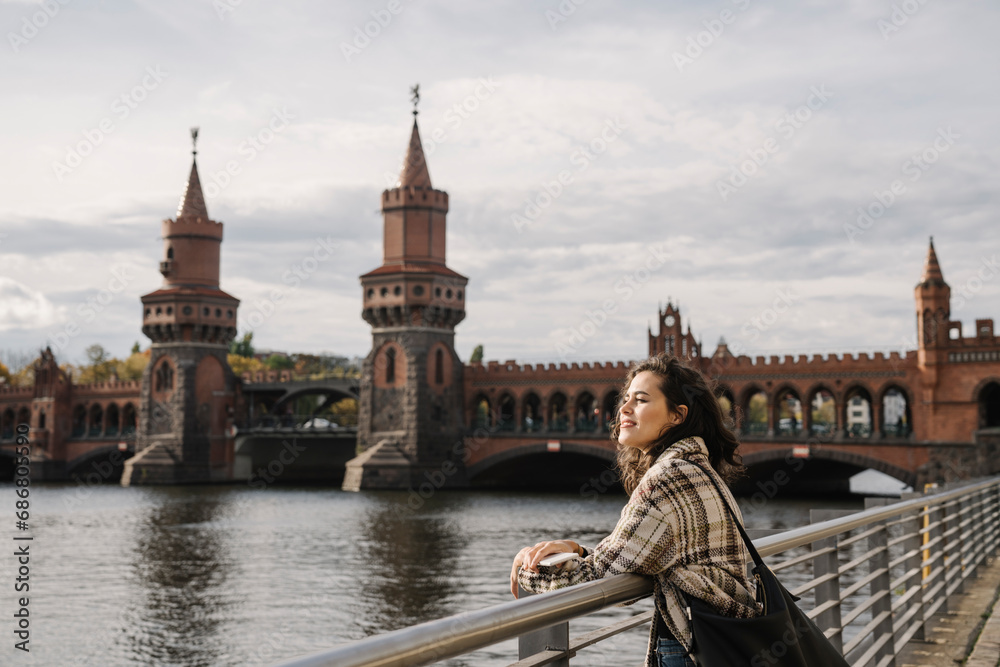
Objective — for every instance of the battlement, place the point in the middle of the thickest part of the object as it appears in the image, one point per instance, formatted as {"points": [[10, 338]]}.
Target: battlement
{"points": [[412, 196], [11, 391], [497, 369], [818, 362], [187, 226], [109, 387]]}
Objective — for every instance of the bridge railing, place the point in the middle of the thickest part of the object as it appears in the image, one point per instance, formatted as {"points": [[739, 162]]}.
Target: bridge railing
{"points": [[306, 423], [876, 575]]}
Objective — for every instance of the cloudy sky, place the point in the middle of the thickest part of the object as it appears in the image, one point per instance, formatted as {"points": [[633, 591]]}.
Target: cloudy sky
{"points": [[600, 158]]}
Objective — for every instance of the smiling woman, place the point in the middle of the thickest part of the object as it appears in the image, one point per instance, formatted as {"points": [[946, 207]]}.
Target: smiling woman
{"points": [[676, 525]]}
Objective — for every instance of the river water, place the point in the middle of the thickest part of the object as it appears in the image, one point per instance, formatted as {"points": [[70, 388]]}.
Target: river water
{"points": [[229, 575]]}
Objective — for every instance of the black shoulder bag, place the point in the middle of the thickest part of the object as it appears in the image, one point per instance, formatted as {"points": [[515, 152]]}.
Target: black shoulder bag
{"points": [[782, 636]]}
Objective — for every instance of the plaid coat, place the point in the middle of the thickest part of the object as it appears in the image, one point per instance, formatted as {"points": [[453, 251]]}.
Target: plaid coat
{"points": [[675, 529]]}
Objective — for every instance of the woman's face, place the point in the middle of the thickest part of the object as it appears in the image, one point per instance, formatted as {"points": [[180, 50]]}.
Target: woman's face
{"points": [[644, 414]]}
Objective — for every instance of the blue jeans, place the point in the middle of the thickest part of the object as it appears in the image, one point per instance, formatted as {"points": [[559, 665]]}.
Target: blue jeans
{"points": [[671, 653]]}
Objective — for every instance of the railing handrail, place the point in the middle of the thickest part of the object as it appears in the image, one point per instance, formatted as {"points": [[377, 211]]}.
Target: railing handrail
{"points": [[448, 637]]}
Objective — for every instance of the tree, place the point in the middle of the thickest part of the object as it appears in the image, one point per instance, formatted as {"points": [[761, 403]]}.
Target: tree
{"points": [[100, 368], [477, 355], [132, 368], [243, 347], [241, 364], [135, 348], [279, 362], [4, 374]]}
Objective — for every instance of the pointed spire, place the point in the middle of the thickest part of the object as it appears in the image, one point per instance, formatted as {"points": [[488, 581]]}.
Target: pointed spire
{"points": [[415, 174], [932, 270], [192, 203]]}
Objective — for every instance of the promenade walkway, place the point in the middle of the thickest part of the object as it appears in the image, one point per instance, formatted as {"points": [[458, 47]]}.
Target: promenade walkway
{"points": [[960, 636]]}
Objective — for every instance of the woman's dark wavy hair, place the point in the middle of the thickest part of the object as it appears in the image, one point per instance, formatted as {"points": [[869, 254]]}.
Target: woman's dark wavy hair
{"points": [[682, 385]]}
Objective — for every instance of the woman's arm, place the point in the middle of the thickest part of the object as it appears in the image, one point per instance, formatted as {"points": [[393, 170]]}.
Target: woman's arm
{"points": [[642, 542]]}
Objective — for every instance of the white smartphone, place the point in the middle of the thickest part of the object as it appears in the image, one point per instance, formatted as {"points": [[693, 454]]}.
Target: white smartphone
{"points": [[558, 559]]}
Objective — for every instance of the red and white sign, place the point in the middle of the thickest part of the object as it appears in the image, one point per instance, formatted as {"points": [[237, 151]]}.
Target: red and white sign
{"points": [[554, 446], [800, 451]]}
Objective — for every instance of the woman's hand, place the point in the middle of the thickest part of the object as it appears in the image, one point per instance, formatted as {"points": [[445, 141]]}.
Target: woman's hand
{"points": [[529, 557]]}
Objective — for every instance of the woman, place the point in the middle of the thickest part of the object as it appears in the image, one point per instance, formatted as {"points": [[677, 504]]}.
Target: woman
{"points": [[675, 526]]}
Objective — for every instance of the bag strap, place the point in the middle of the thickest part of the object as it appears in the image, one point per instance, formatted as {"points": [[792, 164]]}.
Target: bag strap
{"points": [[739, 524]]}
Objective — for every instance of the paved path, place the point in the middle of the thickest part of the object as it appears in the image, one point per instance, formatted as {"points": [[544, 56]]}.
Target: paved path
{"points": [[952, 635]]}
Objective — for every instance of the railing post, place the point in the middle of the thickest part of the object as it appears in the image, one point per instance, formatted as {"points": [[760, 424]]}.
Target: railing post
{"points": [[953, 546], [828, 591], [913, 543], [552, 638], [881, 584]]}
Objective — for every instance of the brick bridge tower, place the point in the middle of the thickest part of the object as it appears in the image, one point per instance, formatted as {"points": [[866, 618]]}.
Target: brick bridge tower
{"points": [[188, 388], [410, 423]]}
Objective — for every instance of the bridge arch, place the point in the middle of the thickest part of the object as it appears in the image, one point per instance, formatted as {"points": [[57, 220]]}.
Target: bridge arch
{"points": [[602, 456], [610, 412], [850, 458], [482, 411], [987, 395], [586, 411], [99, 465], [8, 424]]}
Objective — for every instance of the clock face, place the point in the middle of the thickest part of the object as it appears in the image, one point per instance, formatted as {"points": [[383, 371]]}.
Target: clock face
{"points": [[669, 321]]}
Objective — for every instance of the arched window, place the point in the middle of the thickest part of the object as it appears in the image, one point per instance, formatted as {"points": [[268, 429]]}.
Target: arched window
{"points": [[484, 415], [79, 422], [41, 419], [755, 411], [164, 379], [506, 413], [8, 424], [390, 365], [170, 252], [823, 409], [532, 411], [96, 421], [896, 419], [789, 413], [111, 420], [858, 419], [587, 412], [128, 419], [558, 419], [439, 366]]}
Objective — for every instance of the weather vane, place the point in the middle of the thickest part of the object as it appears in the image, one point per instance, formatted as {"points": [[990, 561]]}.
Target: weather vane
{"points": [[415, 97], [194, 140]]}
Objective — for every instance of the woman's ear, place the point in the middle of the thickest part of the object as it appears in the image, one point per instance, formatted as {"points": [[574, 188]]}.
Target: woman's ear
{"points": [[682, 412]]}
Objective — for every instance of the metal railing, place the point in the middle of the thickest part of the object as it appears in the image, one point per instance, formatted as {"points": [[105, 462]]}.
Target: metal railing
{"points": [[877, 576]]}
